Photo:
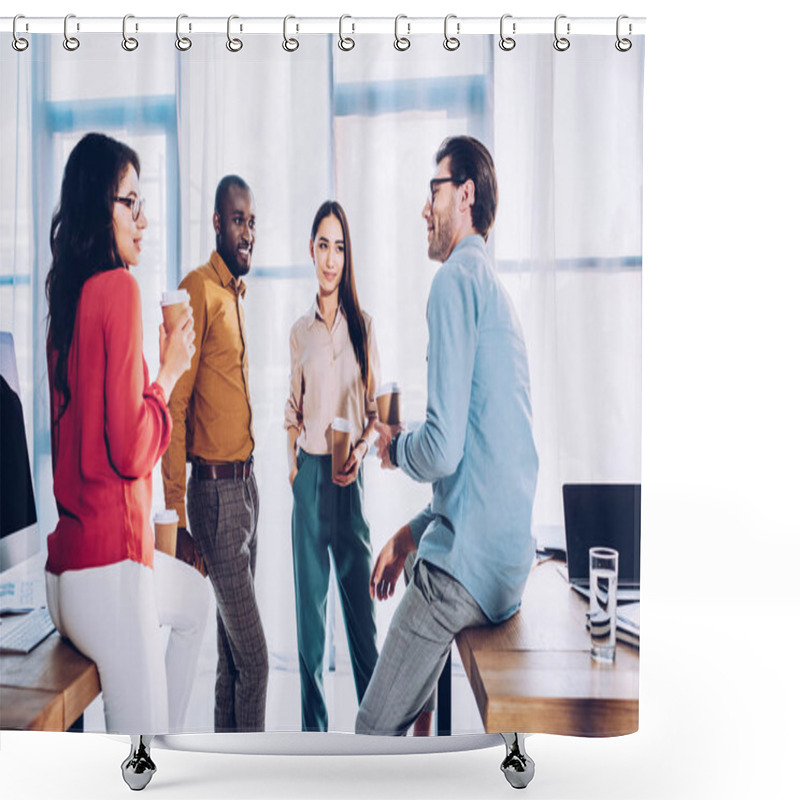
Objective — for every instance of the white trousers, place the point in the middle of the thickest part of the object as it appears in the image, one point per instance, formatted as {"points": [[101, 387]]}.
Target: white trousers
{"points": [[182, 599], [112, 615]]}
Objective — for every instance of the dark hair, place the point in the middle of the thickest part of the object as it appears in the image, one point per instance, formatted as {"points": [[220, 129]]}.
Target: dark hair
{"points": [[224, 186], [348, 296], [470, 160], [82, 237]]}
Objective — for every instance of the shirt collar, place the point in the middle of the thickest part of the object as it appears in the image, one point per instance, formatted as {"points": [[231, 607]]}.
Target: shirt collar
{"points": [[224, 274], [473, 240], [313, 314]]}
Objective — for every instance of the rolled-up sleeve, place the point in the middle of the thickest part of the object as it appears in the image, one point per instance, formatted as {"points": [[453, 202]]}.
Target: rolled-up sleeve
{"points": [[293, 412], [419, 524]]}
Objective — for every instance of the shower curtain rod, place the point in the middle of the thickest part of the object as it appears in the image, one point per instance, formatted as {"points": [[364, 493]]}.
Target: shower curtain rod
{"points": [[348, 25]]}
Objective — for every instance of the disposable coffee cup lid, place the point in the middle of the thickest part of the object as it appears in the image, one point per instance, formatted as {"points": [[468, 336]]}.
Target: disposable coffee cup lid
{"points": [[342, 425], [166, 517], [389, 388], [171, 298]]}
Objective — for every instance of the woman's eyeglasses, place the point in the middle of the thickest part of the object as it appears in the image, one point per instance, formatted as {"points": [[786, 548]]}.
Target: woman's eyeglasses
{"points": [[135, 204]]}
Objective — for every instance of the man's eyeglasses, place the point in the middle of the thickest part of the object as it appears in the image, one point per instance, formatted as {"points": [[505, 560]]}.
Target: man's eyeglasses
{"points": [[436, 181], [135, 204]]}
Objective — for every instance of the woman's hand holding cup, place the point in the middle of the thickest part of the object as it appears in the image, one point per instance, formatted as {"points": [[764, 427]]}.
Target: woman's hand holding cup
{"points": [[176, 345]]}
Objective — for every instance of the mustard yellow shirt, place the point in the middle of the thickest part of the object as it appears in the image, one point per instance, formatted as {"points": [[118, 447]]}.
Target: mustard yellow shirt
{"points": [[212, 415]]}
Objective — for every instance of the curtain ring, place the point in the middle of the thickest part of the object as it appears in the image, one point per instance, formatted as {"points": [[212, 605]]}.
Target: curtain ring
{"points": [[18, 43], [128, 42], [561, 43], [234, 45], [70, 42], [401, 43], [289, 45], [507, 42], [451, 42], [346, 42], [623, 45], [181, 42]]}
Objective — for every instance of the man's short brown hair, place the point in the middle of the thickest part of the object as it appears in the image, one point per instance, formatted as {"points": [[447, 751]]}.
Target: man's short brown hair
{"points": [[470, 160]]}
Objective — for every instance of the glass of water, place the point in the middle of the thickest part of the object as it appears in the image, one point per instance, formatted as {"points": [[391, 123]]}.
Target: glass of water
{"points": [[603, 572]]}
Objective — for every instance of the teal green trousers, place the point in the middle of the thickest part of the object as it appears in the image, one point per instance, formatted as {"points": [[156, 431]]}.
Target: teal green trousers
{"points": [[328, 524]]}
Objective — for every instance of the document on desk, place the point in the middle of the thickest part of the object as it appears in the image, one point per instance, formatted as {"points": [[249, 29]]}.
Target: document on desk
{"points": [[627, 624], [21, 596]]}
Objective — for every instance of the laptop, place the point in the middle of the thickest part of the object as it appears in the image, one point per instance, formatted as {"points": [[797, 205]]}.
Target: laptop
{"points": [[603, 515]]}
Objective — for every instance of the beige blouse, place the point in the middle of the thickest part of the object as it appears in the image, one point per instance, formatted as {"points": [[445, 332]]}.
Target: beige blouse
{"points": [[326, 382]]}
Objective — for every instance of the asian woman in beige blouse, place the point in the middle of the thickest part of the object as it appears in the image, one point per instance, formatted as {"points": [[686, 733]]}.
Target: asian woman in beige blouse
{"points": [[334, 372]]}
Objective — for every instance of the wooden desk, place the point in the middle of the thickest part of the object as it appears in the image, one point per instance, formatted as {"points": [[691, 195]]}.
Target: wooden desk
{"points": [[47, 689], [534, 673]]}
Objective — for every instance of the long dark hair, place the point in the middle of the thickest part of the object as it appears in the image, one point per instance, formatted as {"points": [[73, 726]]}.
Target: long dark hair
{"points": [[82, 237], [348, 296]]}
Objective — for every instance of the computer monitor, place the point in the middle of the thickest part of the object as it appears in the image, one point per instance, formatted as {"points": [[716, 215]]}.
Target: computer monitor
{"points": [[603, 515], [19, 532]]}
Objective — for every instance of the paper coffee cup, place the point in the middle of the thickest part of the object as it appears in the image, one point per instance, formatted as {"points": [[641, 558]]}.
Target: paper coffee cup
{"points": [[342, 434], [172, 305], [165, 525], [388, 399]]}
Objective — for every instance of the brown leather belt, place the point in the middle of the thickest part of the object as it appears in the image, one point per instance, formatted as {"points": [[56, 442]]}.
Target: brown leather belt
{"points": [[233, 470]]}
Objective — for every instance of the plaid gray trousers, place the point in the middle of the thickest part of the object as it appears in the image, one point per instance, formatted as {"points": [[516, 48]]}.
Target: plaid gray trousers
{"points": [[223, 515], [434, 608]]}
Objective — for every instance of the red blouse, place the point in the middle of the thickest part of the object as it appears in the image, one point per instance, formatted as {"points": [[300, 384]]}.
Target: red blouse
{"points": [[114, 430]]}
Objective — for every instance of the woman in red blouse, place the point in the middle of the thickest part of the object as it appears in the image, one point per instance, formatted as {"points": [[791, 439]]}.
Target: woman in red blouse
{"points": [[109, 427]]}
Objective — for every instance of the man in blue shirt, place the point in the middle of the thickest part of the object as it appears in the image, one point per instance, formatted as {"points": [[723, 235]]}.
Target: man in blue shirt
{"points": [[474, 542]]}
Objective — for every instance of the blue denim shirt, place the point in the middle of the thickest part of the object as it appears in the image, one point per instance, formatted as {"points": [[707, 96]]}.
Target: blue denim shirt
{"points": [[476, 444]]}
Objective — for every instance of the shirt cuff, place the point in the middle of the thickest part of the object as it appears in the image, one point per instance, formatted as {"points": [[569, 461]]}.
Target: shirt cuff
{"points": [[393, 450], [156, 389]]}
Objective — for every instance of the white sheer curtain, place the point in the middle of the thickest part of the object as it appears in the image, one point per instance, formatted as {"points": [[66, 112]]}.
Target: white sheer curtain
{"points": [[265, 115], [565, 133], [16, 221], [568, 139]]}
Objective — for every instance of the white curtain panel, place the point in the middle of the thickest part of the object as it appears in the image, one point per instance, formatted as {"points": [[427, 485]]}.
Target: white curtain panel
{"points": [[265, 115]]}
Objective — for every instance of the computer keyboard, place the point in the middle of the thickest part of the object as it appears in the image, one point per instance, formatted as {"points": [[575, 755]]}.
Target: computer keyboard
{"points": [[22, 634]]}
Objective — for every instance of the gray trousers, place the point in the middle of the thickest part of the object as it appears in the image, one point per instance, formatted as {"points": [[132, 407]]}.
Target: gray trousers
{"points": [[434, 608], [223, 515]]}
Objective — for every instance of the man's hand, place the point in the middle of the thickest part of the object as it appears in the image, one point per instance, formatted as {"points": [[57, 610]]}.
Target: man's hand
{"points": [[186, 550], [385, 435], [390, 563]]}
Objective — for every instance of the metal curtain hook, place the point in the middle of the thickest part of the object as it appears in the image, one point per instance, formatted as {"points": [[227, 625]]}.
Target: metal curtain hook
{"points": [[70, 42], [507, 42], [561, 43], [128, 42], [401, 42], [234, 45], [289, 44], [182, 42], [346, 42], [623, 45], [451, 42], [18, 43]]}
